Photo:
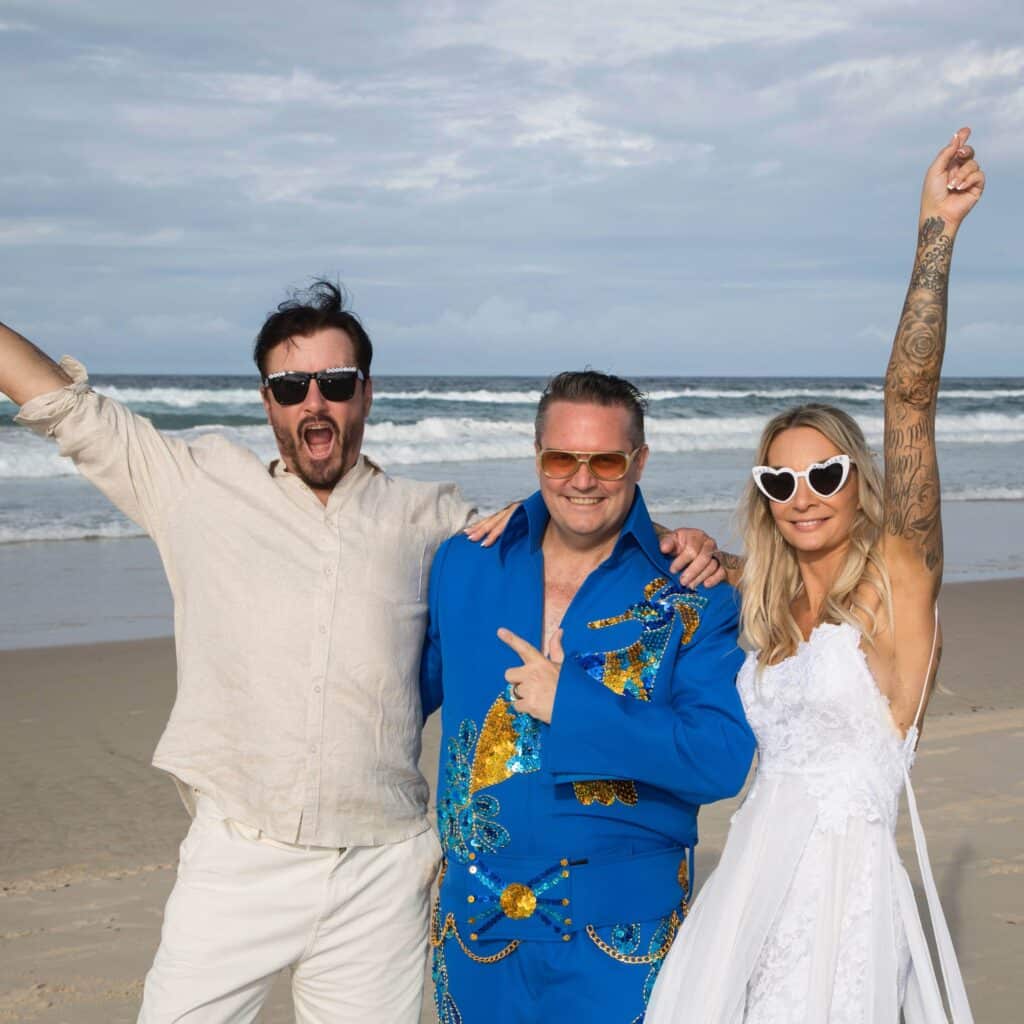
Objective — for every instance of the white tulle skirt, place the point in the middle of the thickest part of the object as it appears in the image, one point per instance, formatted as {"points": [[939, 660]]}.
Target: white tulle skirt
{"points": [[803, 923]]}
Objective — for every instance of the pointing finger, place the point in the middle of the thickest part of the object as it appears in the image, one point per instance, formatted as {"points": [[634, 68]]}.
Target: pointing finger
{"points": [[522, 647]]}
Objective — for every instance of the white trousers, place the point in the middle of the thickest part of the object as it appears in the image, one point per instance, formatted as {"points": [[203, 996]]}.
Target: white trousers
{"points": [[351, 924]]}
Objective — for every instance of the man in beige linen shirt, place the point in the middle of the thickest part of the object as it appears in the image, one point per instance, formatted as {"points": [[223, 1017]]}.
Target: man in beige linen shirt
{"points": [[300, 603]]}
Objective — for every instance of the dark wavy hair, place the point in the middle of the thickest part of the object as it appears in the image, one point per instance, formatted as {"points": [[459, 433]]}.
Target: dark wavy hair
{"points": [[316, 308], [592, 387]]}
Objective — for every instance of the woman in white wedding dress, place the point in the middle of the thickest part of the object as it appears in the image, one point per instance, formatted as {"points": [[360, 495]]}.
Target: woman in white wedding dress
{"points": [[810, 916]]}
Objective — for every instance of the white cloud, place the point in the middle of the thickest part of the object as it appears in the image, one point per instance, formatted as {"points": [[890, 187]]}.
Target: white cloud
{"points": [[980, 66], [26, 232], [438, 172], [475, 169], [561, 121], [611, 33], [299, 87]]}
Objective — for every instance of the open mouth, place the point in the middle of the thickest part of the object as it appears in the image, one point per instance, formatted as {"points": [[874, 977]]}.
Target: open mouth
{"points": [[319, 440]]}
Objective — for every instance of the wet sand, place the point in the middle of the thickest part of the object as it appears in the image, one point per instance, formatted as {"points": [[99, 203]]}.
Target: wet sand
{"points": [[90, 830]]}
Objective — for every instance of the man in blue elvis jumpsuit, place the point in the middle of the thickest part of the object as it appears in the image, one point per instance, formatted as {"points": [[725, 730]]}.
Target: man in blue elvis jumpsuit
{"points": [[569, 846]]}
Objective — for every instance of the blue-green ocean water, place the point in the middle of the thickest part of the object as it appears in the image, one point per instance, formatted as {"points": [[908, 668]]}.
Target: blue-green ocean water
{"points": [[477, 431]]}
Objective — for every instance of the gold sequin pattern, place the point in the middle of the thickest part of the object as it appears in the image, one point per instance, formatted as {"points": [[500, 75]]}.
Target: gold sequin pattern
{"points": [[518, 901], [606, 792], [690, 620], [494, 749], [627, 666], [684, 875]]}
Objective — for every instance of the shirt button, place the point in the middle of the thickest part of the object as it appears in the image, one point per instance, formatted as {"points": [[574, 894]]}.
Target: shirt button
{"points": [[316, 689], [328, 571], [323, 629], [312, 748]]}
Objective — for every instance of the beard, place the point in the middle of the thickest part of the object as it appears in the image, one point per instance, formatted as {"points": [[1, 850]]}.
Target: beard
{"points": [[317, 474]]}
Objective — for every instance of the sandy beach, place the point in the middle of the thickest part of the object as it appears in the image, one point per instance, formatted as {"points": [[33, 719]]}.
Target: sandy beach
{"points": [[90, 829]]}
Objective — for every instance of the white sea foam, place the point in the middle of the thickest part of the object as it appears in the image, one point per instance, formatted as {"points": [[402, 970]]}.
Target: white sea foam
{"points": [[16, 534], [183, 398], [862, 393], [470, 439], [983, 494], [479, 396]]}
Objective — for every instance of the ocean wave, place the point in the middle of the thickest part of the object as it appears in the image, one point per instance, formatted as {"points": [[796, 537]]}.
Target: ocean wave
{"points": [[440, 439], [14, 534], [983, 494], [860, 393], [180, 398], [479, 396], [161, 397], [89, 528]]}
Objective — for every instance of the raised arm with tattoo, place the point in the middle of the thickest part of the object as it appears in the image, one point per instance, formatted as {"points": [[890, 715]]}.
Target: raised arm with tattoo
{"points": [[913, 541]]}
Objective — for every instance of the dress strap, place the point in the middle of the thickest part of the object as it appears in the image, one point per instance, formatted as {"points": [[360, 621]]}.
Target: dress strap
{"points": [[953, 982], [928, 671]]}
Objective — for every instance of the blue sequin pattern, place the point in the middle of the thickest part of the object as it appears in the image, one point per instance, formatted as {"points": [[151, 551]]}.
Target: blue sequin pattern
{"points": [[624, 941], [491, 904], [467, 820], [447, 1011], [527, 741], [633, 669]]}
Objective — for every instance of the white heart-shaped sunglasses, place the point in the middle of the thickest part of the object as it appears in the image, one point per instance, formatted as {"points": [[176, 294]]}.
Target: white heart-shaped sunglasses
{"points": [[778, 483]]}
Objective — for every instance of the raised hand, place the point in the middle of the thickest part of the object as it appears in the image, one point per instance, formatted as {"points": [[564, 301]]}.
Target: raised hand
{"points": [[954, 182]]}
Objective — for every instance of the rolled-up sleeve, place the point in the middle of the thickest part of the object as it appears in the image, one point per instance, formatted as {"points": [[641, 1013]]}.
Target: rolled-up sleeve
{"points": [[140, 469]]}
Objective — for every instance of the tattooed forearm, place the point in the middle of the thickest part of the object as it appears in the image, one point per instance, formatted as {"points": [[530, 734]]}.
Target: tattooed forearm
{"points": [[912, 500], [912, 504], [932, 271], [728, 560], [732, 564]]}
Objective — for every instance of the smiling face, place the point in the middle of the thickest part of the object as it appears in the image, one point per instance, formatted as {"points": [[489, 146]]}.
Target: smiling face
{"points": [[319, 441], [588, 512], [809, 523]]}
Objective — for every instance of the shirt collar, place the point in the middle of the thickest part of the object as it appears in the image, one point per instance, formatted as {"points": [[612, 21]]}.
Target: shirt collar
{"points": [[531, 519], [363, 468]]}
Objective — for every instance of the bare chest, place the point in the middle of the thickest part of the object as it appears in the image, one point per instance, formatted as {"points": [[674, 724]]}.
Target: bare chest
{"points": [[559, 591]]}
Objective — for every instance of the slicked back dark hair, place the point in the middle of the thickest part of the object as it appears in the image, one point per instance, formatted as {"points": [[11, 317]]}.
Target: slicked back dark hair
{"points": [[316, 308], [594, 388]]}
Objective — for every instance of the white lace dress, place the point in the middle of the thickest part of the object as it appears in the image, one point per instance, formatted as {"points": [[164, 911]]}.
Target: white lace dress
{"points": [[810, 916]]}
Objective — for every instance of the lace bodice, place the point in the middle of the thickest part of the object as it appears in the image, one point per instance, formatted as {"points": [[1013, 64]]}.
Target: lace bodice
{"points": [[819, 715]]}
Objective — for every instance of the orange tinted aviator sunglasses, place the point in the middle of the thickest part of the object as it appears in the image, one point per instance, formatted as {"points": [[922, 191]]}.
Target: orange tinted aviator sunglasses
{"points": [[560, 465]]}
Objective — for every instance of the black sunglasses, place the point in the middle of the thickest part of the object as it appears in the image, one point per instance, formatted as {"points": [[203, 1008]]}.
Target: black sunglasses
{"points": [[337, 384]]}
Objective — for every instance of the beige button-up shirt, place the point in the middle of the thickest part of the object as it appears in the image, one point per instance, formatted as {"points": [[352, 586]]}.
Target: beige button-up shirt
{"points": [[298, 626]]}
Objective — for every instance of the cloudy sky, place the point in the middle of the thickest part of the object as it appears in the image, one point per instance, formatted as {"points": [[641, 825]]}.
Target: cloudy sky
{"points": [[651, 187]]}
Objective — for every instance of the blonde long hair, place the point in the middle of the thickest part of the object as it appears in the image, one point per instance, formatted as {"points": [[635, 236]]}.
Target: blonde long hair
{"points": [[771, 576]]}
